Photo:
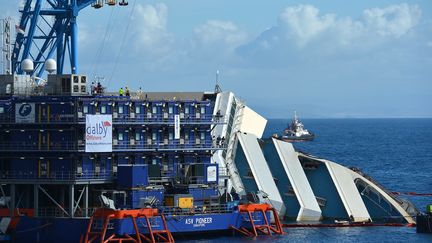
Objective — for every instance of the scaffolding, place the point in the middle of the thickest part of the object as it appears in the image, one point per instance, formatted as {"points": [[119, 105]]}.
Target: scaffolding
{"points": [[6, 34]]}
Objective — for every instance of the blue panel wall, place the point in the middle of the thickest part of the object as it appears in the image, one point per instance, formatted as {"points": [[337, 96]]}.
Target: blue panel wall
{"points": [[244, 170], [323, 186], [283, 184], [132, 176], [201, 195], [87, 164]]}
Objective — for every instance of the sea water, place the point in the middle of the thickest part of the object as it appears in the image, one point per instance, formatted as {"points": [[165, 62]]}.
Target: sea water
{"points": [[397, 153]]}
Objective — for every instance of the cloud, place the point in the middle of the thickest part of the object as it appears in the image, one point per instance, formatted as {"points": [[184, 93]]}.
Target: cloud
{"points": [[304, 26], [219, 33], [303, 23], [150, 22], [84, 36], [394, 20]]}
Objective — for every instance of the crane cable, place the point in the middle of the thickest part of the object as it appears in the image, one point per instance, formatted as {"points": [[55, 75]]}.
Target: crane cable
{"points": [[412, 194], [122, 44], [106, 37]]}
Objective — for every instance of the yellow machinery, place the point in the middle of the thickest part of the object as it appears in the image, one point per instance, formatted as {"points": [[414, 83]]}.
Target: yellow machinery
{"points": [[179, 200]]}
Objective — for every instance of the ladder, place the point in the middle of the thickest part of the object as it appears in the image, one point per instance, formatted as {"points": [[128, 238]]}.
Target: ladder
{"points": [[230, 154], [250, 228], [94, 234]]}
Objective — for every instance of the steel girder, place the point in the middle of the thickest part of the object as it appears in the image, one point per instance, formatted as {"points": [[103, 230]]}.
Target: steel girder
{"points": [[39, 40]]}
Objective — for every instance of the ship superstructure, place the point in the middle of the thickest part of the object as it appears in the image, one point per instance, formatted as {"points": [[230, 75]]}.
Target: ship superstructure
{"points": [[56, 163]]}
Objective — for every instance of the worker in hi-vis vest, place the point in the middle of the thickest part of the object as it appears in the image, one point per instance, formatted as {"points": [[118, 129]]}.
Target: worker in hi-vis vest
{"points": [[121, 92]]}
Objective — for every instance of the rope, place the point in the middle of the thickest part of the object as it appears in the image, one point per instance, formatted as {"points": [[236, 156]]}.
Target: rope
{"points": [[106, 37], [122, 44], [343, 225], [35, 228], [412, 194]]}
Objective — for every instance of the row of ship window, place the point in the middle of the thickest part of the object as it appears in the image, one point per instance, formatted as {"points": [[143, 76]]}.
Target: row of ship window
{"points": [[139, 136], [121, 110], [127, 108]]}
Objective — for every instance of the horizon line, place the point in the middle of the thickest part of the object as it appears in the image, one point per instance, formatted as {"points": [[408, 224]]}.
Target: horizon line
{"points": [[278, 118]]}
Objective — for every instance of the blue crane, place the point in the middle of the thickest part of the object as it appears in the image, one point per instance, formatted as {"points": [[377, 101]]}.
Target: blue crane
{"points": [[34, 41]]}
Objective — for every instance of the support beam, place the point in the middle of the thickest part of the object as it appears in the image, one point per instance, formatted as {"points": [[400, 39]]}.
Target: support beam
{"points": [[74, 46], [59, 44], [27, 197], [62, 38], [86, 209], [21, 195], [32, 29], [12, 199], [54, 201], [36, 200], [19, 41], [71, 200], [4, 196], [78, 201], [62, 199]]}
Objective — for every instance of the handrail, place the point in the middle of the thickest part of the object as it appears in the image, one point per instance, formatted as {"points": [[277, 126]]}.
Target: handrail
{"points": [[58, 175], [49, 212], [160, 118], [140, 145], [122, 118], [34, 146], [125, 145], [204, 209]]}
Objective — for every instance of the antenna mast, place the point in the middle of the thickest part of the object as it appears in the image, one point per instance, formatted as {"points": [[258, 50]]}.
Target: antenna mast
{"points": [[217, 86]]}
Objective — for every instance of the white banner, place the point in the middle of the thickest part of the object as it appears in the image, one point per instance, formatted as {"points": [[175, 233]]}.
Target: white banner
{"points": [[211, 173], [98, 133], [176, 126], [25, 113]]}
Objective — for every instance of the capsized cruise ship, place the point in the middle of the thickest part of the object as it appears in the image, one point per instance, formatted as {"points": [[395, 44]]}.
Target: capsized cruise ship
{"points": [[179, 162]]}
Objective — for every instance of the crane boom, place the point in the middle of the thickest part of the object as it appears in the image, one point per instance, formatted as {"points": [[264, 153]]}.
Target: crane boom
{"points": [[35, 42]]}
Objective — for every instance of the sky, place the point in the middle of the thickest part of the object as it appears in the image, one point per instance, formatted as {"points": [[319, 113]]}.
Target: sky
{"points": [[324, 59]]}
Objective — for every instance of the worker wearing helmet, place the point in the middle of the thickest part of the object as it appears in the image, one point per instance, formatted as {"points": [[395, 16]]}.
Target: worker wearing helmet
{"points": [[121, 92]]}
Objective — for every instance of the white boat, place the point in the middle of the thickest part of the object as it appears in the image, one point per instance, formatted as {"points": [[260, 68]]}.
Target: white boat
{"points": [[296, 131]]}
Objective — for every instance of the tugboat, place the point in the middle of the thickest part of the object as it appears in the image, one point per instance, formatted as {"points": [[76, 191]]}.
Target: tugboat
{"points": [[296, 131]]}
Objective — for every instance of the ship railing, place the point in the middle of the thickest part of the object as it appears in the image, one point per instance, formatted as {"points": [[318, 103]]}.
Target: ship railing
{"points": [[34, 146], [406, 205], [122, 145], [159, 180], [58, 175], [149, 117], [160, 118], [58, 118], [121, 118], [198, 209], [195, 180], [51, 119], [168, 175], [50, 212], [7, 119], [141, 145]]}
